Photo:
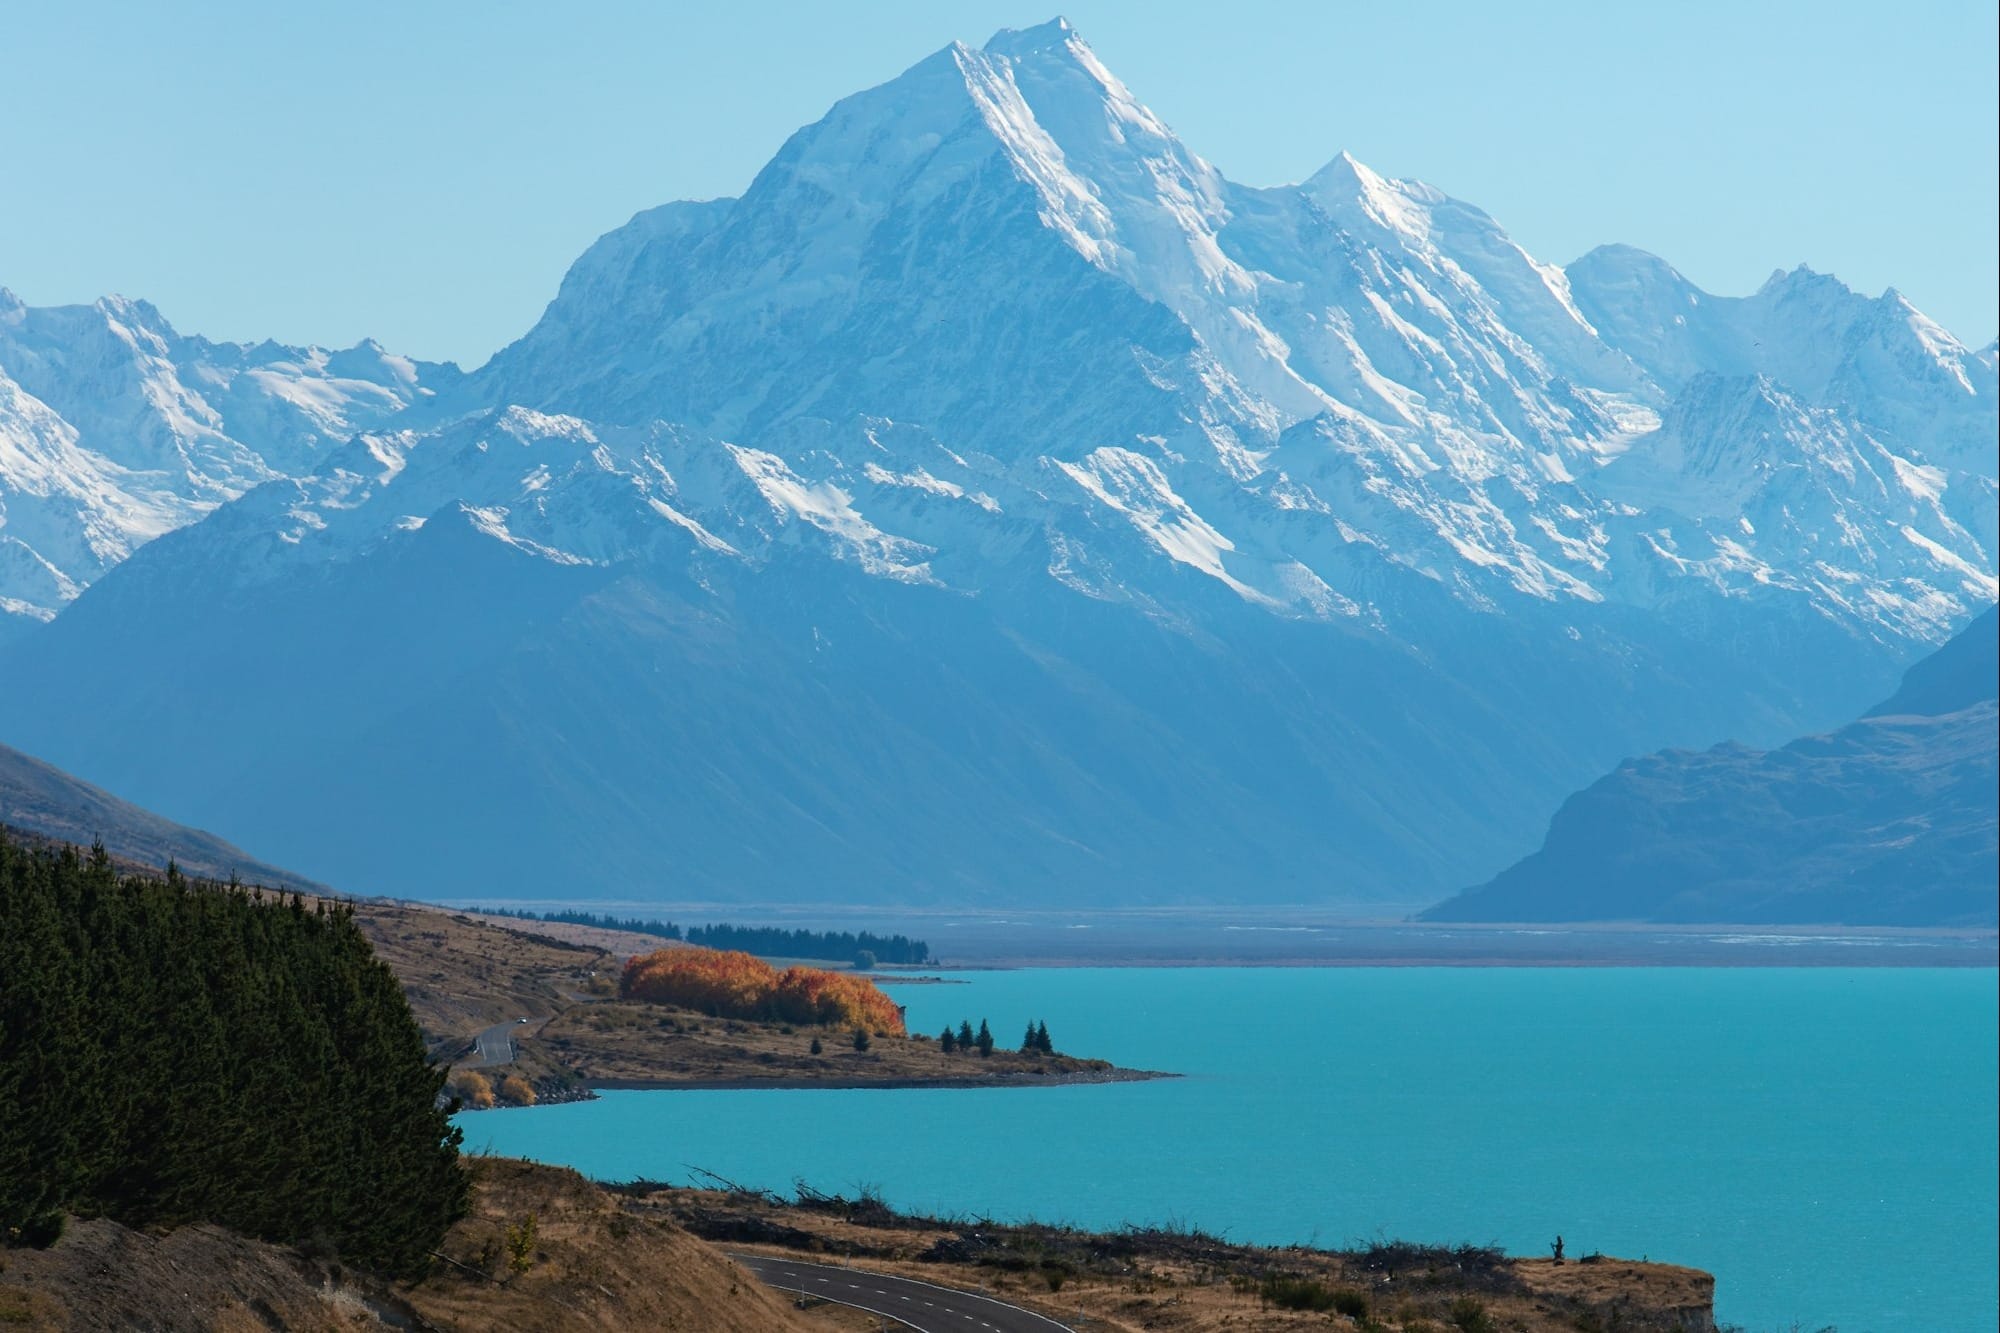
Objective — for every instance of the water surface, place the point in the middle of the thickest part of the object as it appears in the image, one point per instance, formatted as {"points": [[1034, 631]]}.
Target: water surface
{"points": [[1821, 1139]]}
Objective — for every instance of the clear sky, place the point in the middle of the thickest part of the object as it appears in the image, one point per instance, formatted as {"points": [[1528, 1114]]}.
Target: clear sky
{"points": [[423, 171]]}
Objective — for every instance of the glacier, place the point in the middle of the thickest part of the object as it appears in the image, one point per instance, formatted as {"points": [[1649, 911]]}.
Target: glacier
{"points": [[994, 502]]}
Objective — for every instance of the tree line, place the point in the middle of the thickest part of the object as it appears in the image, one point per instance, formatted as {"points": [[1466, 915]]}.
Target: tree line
{"points": [[962, 1038], [769, 941], [174, 1051]]}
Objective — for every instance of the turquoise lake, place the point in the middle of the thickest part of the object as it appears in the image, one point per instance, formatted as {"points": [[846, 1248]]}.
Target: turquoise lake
{"points": [[1823, 1140]]}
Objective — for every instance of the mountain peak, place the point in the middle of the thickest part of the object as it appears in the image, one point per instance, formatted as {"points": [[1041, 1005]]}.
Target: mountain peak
{"points": [[1804, 278], [1058, 32], [1345, 184]]}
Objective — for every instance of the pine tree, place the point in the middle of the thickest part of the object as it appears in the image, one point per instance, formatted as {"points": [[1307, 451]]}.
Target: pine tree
{"points": [[948, 1040], [1042, 1042], [984, 1039], [965, 1038], [1028, 1046], [173, 1051]]}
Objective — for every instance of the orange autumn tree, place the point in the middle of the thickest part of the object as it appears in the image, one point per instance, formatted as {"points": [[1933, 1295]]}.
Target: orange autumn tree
{"points": [[720, 982], [811, 995], [726, 984]]}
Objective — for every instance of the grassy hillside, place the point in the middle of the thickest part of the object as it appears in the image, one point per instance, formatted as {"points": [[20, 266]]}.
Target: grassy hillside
{"points": [[589, 1266]]}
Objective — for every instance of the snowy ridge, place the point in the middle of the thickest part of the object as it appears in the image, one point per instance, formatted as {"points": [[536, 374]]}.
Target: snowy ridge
{"points": [[1367, 350], [1115, 353], [115, 429], [994, 502], [1361, 349]]}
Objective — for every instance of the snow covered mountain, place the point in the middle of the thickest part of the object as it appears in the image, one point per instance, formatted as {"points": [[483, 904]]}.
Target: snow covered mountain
{"points": [[1003, 247], [996, 501], [114, 429]]}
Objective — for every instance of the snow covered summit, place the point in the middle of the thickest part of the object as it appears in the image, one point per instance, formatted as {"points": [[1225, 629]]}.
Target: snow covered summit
{"points": [[994, 501], [1004, 248], [114, 429]]}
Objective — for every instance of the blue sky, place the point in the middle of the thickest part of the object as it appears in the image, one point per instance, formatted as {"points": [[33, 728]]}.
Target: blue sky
{"points": [[423, 172]]}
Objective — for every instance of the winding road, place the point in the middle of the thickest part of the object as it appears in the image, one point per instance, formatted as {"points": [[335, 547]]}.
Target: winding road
{"points": [[917, 1305], [495, 1046]]}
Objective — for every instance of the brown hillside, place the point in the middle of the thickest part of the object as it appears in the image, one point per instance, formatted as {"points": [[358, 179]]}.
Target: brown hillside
{"points": [[592, 1267]]}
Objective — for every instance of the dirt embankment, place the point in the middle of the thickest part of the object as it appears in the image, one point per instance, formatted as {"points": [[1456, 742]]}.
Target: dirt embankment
{"points": [[465, 973], [588, 1263], [1185, 1281], [621, 1044]]}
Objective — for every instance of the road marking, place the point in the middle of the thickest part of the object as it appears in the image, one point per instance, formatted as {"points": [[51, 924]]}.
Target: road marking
{"points": [[1015, 1313]]}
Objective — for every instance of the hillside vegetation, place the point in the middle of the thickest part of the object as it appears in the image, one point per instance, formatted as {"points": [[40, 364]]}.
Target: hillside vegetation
{"points": [[837, 946], [540, 1249], [726, 984], [174, 1052], [1181, 1279]]}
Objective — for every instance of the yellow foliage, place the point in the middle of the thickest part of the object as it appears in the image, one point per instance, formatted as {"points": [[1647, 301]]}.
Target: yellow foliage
{"points": [[471, 1088], [516, 1091], [728, 984]]}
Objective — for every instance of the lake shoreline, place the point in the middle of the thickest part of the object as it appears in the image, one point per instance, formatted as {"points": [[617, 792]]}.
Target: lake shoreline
{"points": [[1305, 936], [1074, 1079]]}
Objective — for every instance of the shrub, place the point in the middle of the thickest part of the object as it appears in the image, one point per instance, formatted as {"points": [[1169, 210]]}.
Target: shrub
{"points": [[861, 1039], [521, 1245], [471, 1088], [1469, 1316], [516, 1091], [1298, 1293]]}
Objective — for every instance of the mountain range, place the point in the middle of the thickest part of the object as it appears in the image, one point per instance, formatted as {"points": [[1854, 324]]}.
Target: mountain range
{"points": [[993, 504], [1886, 821]]}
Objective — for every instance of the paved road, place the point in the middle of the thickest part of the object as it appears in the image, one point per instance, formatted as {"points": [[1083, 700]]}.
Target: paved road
{"points": [[495, 1046], [918, 1305]]}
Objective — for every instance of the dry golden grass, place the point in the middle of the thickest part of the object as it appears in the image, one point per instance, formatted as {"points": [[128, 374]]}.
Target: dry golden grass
{"points": [[462, 974], [1197, 1284], [590, 1265]]}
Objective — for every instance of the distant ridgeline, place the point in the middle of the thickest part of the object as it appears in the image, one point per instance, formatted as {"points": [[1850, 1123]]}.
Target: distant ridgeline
{"points": [[174, 1051], [765, 941]]}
